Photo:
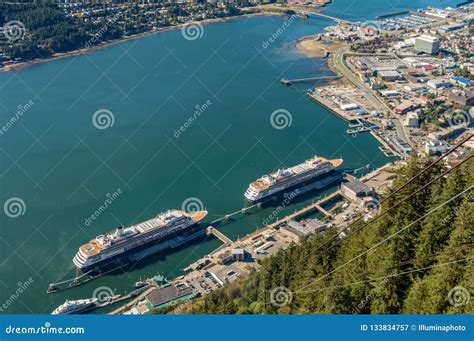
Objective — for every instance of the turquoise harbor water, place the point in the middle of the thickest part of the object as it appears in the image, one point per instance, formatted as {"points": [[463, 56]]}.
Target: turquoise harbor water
{"points": [[64, 168]]}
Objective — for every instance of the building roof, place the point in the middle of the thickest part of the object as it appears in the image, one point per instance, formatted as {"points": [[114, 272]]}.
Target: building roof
{"points": [[388, 73], [357, 186], [238, 251], [461, 80], [405, 105], [167, 294], [428, 38]]}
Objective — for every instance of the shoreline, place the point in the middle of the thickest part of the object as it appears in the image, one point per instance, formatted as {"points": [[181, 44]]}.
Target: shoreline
{"points": [[316, 46], [78, 52]]}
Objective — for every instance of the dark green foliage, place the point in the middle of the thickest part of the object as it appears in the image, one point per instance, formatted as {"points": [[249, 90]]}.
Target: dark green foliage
{"points": [[48, 31], [413, 271]]}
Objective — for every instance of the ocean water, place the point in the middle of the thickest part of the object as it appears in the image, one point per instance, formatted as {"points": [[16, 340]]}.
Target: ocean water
{"points": [[138, 127]]}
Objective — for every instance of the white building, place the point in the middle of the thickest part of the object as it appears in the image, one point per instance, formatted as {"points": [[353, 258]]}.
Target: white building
{"points": [[427, 44], [412, 120], [435, 147], [439, 83], [349, 106]]}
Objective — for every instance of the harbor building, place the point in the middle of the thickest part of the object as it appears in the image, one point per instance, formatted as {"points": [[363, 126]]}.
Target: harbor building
{"points": [[299, 230], [402, 147], [355, 190], [427, 44], [238, 254], [169, 294]]}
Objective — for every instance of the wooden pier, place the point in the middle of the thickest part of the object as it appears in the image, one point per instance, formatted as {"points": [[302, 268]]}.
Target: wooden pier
{"points": [[220, 235], [133, 302], [289, 82], [315, 205]]}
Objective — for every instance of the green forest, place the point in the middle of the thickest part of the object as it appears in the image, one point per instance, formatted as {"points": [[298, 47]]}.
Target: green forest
{"points": [[417, 259], [48, 31]]}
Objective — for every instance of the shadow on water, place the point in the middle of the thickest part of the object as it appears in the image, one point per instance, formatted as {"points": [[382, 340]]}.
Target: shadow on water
{"points": [[160, 256]]}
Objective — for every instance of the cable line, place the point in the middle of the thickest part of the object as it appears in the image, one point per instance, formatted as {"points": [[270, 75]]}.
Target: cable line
{"points": [[384, 240]]}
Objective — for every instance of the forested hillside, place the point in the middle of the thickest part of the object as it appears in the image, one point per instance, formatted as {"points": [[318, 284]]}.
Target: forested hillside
{"points": [[46, 30], [425, 268]]}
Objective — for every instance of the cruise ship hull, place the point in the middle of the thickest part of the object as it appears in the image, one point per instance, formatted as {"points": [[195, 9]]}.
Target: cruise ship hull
{"points": [[300, 188], [80, 310], [132, 256]]}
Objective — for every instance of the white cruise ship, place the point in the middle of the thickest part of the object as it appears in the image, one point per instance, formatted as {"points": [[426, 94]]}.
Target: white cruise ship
{"points": [[114, 249], [285, 180], [75, 307]]}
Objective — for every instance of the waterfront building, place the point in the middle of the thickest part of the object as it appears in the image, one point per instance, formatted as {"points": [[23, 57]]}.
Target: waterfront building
{"points": [[355, 190], [449, 28], [168, 295], [238, 254], [402, 147], [427, 44], [298, 231], [349, 106]]}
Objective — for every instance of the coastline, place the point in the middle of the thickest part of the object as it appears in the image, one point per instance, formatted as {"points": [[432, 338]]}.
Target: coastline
{"points": [[73, 53], [317, 47]]}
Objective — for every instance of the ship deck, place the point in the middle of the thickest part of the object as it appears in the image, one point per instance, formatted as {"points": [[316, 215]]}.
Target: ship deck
{"points": [[91, 248]]}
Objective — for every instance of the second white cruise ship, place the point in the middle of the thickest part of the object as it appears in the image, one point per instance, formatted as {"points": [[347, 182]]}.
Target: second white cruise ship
{"points": [[124, 245], [284, 180]]}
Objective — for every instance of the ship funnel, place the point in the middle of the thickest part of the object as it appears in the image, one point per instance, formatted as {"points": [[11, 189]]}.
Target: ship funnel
{"points": [[119, 231]]}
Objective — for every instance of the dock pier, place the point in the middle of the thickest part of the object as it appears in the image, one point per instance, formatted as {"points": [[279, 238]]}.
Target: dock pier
{"points": [[212, 230], [289, 82], [315, 205]]}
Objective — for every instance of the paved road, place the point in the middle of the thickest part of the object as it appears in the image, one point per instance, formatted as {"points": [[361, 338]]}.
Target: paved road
{"points": [[341, 67]]}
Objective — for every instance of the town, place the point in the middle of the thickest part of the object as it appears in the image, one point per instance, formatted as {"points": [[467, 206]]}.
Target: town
{"points": [[406, 79]]}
